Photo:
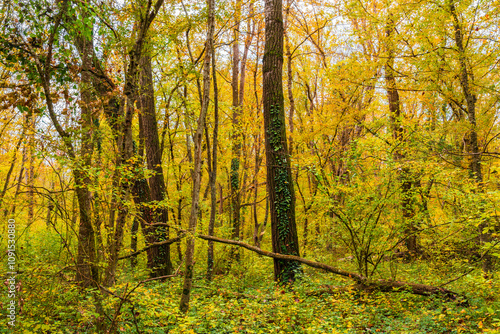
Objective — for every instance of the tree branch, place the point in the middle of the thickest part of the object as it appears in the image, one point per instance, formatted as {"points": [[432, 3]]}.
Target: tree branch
{"points": [[310, 263], [363, 282], [152, 245]]}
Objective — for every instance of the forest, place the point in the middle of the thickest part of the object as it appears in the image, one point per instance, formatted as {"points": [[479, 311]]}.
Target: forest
{"points": [[245, 166]]}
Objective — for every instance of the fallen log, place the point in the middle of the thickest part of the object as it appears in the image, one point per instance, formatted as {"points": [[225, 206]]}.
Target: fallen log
{"points": [[415, 288], [362, 283]]}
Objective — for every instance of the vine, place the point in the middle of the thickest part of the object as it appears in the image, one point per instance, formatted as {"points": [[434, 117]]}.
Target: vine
{"points": [[283, 200]]}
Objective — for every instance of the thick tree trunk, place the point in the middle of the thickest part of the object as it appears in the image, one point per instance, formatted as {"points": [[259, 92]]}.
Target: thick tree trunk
{"points": [[279, 178], [161, 264], [87, 273]]}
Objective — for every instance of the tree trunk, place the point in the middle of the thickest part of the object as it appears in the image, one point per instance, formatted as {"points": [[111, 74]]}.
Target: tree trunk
{"points": [[408, 184], [279, 178], [13, 162], [471, 142], [161, 257], [213, 175], [291, 99], [190, 245], [236, 136], [115, 227], [87, 272], [120, 123], [133, 241]]}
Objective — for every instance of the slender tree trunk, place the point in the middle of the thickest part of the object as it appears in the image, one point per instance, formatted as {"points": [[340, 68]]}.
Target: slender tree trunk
{"points": [[87, 273], [190, 245], [50, 208], [12, 164], [18, 186], [279, 178], [142, 198], [119, 208], [133, 241], [236, 136], [408, 184], [213, 174], [260, 236], [30, 175], [471, 142], [257, 161]]}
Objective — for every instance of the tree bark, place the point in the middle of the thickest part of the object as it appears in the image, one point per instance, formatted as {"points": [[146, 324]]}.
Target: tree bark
{"points": [[279, 178], [291, 99], [160, 262], [87, 273], [213, 174]]}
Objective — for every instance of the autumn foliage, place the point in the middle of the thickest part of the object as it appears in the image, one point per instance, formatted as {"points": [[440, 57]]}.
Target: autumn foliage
{"points": [[160, 151]]}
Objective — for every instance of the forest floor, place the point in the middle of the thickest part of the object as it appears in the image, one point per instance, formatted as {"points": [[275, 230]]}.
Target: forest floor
{"points": [[247, 301]]}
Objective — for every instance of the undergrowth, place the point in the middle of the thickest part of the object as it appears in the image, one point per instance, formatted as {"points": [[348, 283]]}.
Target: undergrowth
{"points": [[249, 302]]}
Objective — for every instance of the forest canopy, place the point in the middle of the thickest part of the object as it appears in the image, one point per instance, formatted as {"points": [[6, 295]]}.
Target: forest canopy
{"points": [[156, 155]]}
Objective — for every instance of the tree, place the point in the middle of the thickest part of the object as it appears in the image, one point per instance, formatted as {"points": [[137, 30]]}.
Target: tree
{"points": [[466, 75], [279, 177], [39, 56], [193, 218], [238, 74], [407, 178], [159, 257], [120, 112], [212, 168]]}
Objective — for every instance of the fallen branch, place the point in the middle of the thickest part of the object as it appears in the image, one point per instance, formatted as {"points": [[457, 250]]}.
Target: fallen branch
{"points": [[362, 282], [154, 244], [310, 263]]}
